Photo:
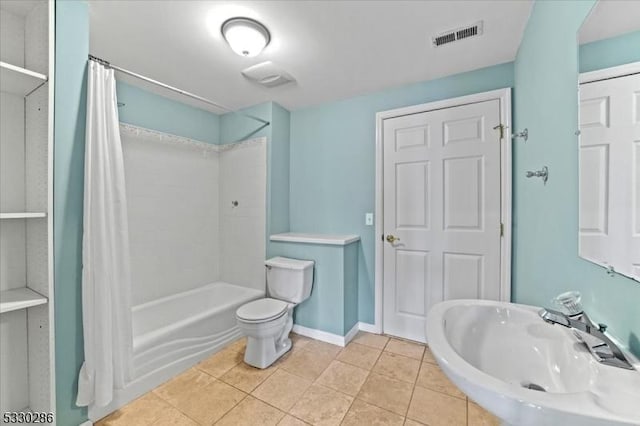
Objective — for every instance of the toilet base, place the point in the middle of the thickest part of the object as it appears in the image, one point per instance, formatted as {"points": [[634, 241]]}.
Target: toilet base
{"points": [[267, 342]]}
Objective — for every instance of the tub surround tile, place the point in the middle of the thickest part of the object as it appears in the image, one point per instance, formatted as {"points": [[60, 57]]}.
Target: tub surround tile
{"points": [[359, 355], [405, 348], [431, 377], [343, 377], [322, 406], [246, 377], [386, 392], [362, 413], [307, 364], [397, 366], [437, 409], [200, 396], [478, 416], [282, 389], [221, 362], [250, 412], [147, 410], [377, 341]]}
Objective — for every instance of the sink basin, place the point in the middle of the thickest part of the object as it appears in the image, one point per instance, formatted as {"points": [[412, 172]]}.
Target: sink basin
{"points": [[526, 371]]}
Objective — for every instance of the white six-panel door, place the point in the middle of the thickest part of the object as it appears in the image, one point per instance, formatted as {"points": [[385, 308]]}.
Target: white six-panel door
{"points": [[610, 173], [441, 203]]}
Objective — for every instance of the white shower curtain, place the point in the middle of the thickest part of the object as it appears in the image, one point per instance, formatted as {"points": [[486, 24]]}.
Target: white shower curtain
{"points": [[106, 277]]}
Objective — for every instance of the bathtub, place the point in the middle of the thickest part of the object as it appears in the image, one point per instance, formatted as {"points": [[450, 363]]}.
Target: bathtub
{"points": [[173, 333]]}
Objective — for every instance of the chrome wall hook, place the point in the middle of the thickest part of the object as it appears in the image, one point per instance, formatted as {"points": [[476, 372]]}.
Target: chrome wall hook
{"points": [[544, 174], [523, 134]]}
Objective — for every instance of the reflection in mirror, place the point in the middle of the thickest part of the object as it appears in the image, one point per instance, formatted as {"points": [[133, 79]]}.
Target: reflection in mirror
{"points": [[609, 125]]}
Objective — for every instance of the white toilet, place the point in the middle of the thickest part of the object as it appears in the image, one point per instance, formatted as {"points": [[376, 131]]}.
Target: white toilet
{"points": [[267, 322]]}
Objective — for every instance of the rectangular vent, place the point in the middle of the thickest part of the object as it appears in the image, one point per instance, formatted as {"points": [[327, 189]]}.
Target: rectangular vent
{"points": [[457, 34]]}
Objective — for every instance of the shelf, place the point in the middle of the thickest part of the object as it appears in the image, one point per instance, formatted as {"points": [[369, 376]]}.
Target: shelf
{"points": [[22, 215], [327, 239], [19, 81], [20, 298]]}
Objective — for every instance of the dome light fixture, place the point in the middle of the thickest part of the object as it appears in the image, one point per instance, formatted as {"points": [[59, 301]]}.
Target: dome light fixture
{"points": [[247, 37]]}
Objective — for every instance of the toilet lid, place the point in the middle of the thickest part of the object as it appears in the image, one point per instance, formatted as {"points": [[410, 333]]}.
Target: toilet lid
{"points": [[261, 310]]}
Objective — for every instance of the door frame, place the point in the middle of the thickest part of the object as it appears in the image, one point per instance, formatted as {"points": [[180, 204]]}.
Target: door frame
{"points": [[504, 96]]}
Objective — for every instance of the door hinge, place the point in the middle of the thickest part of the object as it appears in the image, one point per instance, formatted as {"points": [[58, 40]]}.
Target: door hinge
{"points": [[501, 127], [502, 229]]}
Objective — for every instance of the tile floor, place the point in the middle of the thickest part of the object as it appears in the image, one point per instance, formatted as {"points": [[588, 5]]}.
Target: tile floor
{"points": [[375, 380]]}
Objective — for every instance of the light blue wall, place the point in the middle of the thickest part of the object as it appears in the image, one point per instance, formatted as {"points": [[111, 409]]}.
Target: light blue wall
{"points": [[332, 163], [610, 52], [72, 48], [146, 109], [545, 259], [332, 305]]}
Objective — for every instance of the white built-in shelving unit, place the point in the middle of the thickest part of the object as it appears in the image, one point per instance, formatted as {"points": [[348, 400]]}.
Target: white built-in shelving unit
{"points": [[26, 261]]}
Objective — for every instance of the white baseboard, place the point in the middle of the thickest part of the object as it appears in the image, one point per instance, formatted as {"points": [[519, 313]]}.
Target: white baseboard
{"points": [[352, 333], [369, 328], [335, 339], [87, 423], [324, 336]]}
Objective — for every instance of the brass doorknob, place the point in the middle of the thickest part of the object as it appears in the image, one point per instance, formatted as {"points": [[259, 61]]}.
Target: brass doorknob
{"points": [[392, 239]]}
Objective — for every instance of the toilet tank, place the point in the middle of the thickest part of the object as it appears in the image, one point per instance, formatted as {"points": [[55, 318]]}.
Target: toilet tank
{"points": [[289, 280]]}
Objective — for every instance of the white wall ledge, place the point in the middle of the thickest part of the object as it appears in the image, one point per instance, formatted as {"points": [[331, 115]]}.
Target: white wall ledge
{"points": [[326, 239]]}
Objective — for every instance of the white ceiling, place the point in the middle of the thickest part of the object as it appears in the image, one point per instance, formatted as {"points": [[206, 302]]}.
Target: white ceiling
{"points": [[335, 49], [610, 18]]}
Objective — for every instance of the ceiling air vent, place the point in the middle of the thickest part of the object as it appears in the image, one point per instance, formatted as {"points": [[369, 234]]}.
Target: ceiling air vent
{"points": [[268, 74], [457, 34]]}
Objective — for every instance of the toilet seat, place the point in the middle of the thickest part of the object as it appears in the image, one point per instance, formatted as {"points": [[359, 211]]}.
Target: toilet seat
{"points": [[262, 310]]}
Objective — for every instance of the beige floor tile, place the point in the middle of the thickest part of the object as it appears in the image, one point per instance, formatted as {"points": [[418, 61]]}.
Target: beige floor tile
{"points": [[363, 414], [431, 377], [323, 347], [291, 421], [299, 341], [146, 411], [377, 341], [307, 364], [200, 396], [239, 345], [397, 366], [282, 389], [386, 392], [322, 406], [428, 356], [343, 377], [409, 422], [245, 377], [436, 409], [359, 355], [478, 416], [402, 347], [252, 412], [221, 362]]}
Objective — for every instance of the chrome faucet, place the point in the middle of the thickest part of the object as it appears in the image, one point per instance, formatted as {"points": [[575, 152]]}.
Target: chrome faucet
{"points": [[600, 346]]}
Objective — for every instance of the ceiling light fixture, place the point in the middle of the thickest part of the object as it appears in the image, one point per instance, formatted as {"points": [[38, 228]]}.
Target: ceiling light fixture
{"points": [[246, 36]]}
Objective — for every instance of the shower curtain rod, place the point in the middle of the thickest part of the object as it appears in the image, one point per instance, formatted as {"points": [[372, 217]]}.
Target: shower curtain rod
{"points": [[175, 89]]}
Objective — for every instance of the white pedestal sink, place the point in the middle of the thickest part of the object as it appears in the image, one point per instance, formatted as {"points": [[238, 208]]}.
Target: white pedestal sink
{"points": [[526, 371]]}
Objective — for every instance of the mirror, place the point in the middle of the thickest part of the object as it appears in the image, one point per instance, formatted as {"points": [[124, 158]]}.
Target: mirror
{"points": [[609, 141]]}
